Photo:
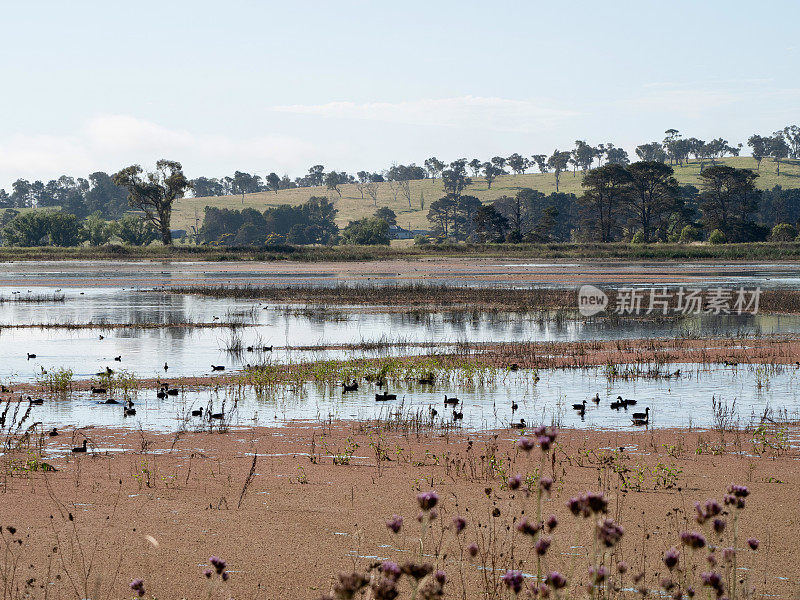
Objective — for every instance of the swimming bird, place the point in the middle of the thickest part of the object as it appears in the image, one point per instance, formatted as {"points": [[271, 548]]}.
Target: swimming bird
{"points": [[81, 448], [596, 399], [35, 401], [172, 391], [513, 367], [128, 409], [217, 368], [53, 432], [580, 407], [520, 425], [514, 406], [457, 415], [450, 401], [617, 405], [30, 356], [426, 380], [218, 415], [433, 411], [249, 348], [267, 349], [166, 366], [118, 358], [642, 417], [110, 401], [349, 387], [161, 394], [102, 337], [385, 396], [198, 412], [98, 390]]}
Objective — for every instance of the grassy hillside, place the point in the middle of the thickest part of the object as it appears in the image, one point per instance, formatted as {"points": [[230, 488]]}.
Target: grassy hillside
{"points": [[351, 206]]}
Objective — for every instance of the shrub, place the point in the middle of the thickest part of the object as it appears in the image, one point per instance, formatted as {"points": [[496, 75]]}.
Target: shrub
{"points": [[421, 240], [96, 230], [783, 232], [371, 231], [638, 238], [717, 237], [135, 231], [689, 234]]}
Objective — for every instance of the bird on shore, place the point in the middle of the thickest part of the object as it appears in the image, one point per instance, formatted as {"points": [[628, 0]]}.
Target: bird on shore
{"points": [[641, 418], [451, 401], [81, 448], [267, 349]]}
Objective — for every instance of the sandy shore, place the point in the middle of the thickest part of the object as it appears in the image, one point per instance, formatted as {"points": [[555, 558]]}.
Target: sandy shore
{"points": [[157, 506]]}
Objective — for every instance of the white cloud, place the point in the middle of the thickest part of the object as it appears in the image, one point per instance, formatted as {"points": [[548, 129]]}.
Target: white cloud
{"points": [[109, 142], [492, 113]]}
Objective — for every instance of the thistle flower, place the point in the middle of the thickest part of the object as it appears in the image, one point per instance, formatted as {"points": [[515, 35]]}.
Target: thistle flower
{"points": [[218, 564], [526, 527], [740, 491], [543, 544], [728, 554], [225, 576], [391, 570], [440, 577], [383, 588], [427, 500], [459, 524], [415, 570], [711, 559], [137, 585], [395, 523], [610, 533], [713, 580], [552, 522], [208, 573], [719, 525], [753, 543], [525, 444], [514, 482], [513, 580], [587, 504], [472, 550], [599, 574], [622, 567], [556, 580], [667, 584], [349, 584], [546, 483], [671, 557], [693, 539]]}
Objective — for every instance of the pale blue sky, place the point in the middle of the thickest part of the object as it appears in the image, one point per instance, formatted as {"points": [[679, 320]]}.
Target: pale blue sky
{"points": [[268, 86]]}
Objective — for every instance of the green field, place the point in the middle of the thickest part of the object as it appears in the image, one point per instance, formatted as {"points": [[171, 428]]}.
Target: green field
{"points": [[189, 211]]}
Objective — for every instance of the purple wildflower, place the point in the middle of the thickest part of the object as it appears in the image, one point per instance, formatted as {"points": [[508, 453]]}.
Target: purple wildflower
{"points": [[440, 577], [671, 557], [514, 482], [753, 543], [526, 527], [556, 580], [225, 576], [693, 539], [525, 444], [137, 585], [472, 550], [622, 567], [713, 580], [513, 580], [395, 523], [599, 574], [543, 544], [459, 524], [719, 525], [546, 483], [427, 500], [610, 533], [208, 573], [391, 570], [728, 554], [552, 522], [218, 564]]}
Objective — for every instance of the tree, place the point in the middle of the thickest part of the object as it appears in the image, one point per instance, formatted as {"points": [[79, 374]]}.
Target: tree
{"points": [[320, 214], [606, 188], [455, 178], [778, 149], [155, 192], [65, 229], [476, 166], [28, 229], [490, 173], [760, 146], [105, 196], [96, 230], [558, 162], [332, 182], [490, 225], [136, 231], [387, 214], [541, 162], [316, 175], [273, 182], [518, 163], [366, 232], [651, 152], [728, 200], [464, 217], [434, 166], [583, 155], [616, 156], [441, 214], [371, 188], [783, 232], [653, 191], [792, 135]]}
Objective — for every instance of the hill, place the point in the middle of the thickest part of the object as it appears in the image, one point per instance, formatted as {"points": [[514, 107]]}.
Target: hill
{"points": [[351, 206]]}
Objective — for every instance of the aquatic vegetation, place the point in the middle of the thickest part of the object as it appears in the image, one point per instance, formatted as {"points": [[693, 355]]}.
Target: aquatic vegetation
{"points": [[56, 380]]}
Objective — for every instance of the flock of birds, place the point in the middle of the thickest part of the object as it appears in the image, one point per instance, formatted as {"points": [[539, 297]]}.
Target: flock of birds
{"points": [[637, 418]]}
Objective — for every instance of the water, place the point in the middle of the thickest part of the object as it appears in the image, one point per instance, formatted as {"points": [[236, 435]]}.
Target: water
{"points": [[295, 333], [684, 402]]}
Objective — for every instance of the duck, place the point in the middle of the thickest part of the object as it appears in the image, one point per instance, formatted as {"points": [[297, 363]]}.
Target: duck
{"points": [[110, 401], [267, 349], [385, 396], [98, 390], [514, 406], [217, 368], [172, 391], [427, 380], [30, 356], [198, 412], [81, 448], [641, 418], [451, 401], [161, 394], [35, 401], [596, 399], [349, 387], [433, 411], [249, 348], [513, 367], [53, 432], [617, 405], [218, 415], [128, 409], [580, 407], [457, 415], [520, 425], [118, 358]]}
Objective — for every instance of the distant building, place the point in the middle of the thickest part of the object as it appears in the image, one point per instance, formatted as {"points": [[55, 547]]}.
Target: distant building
{"points": [[178, 234], [398, 233]]}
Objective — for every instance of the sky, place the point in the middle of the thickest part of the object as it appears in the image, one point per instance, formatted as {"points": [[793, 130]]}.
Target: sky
{"points": [[357, 85]]}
